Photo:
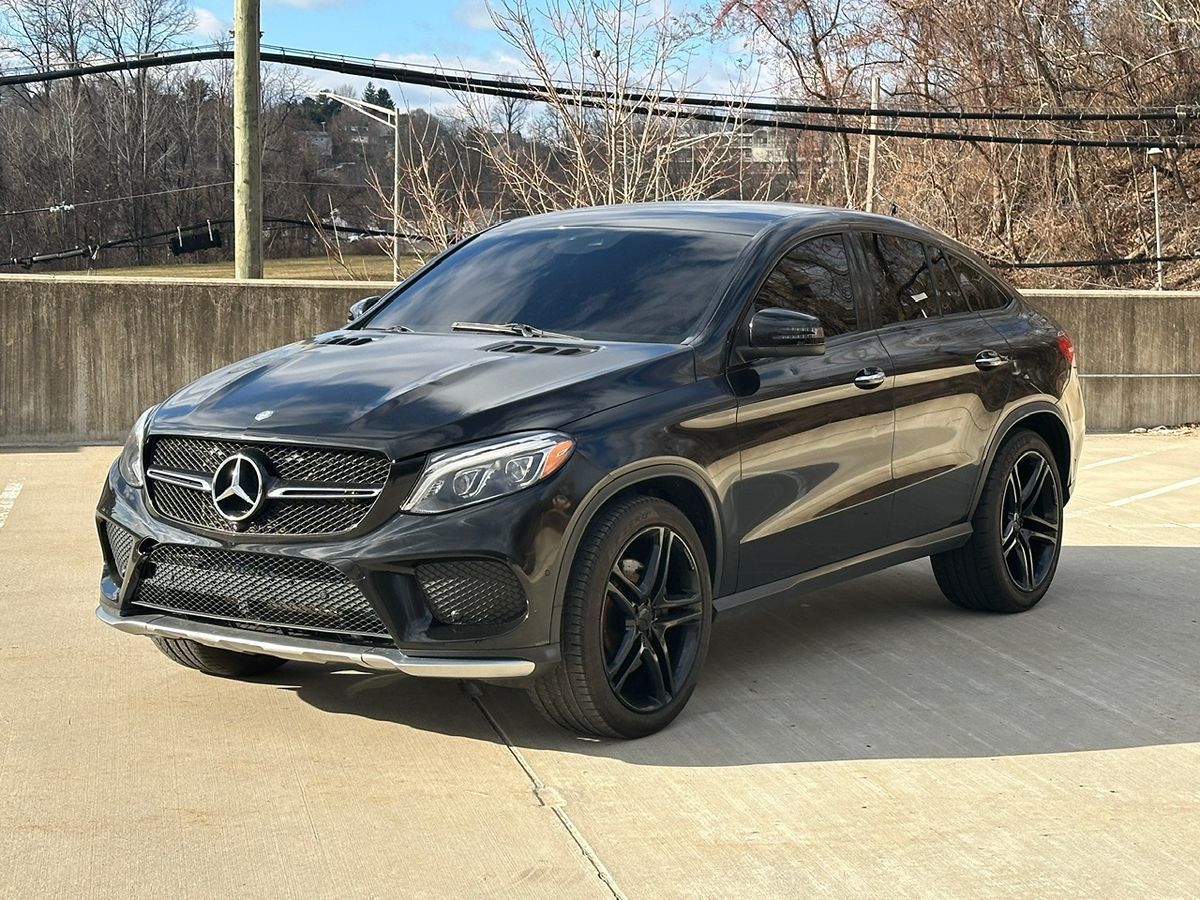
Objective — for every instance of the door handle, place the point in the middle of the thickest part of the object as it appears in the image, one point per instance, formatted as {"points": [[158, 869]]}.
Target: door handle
{"points": [[989, 359], [870, 378]]}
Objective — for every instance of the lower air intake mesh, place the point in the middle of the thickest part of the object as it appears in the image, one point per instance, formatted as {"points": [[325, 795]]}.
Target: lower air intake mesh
{"points": [[255, 589], [471, 592], [120, 545]]}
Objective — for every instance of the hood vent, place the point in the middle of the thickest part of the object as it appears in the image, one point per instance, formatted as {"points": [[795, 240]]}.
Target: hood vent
{"points": [[543, 349], [348, 340]]}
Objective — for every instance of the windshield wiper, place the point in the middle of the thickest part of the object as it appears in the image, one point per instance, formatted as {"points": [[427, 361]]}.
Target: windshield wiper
{"points": [[517, 328], [393, 329]]}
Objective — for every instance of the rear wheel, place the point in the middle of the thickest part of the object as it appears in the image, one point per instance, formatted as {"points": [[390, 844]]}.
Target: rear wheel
{"points": [[1008, 564], [214, 661], [636, 620]]}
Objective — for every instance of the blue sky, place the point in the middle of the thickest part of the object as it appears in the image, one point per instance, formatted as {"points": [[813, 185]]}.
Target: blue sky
{"points": [[449, 32], [452, 28]]}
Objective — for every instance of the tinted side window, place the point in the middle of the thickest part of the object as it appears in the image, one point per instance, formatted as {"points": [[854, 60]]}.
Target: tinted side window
{"points": [[981, 291], [950, 293], [899, 278], [813, 278]]}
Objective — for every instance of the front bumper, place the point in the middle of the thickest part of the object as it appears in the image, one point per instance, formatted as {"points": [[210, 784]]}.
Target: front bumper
{"points": [[524, 532], [315, 651]]}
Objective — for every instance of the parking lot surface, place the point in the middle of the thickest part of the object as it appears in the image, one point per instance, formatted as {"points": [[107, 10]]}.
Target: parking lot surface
{"points": [[865, 740]]}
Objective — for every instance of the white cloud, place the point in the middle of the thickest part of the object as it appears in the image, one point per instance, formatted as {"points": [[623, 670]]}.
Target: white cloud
{"points": [[474, 14], [209, 26]]}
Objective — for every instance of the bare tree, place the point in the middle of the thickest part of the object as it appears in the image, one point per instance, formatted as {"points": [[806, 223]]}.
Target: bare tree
{"points": [[581, 153]]}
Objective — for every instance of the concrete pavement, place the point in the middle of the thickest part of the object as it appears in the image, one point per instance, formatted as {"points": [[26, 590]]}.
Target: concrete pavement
{"points": [[868, 740]]}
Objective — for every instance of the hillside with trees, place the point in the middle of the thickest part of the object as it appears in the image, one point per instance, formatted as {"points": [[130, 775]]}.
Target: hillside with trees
{"points": [[145, 154]]}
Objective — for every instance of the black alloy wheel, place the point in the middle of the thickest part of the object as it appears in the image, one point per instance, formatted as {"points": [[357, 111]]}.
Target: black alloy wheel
{"points": [[651, 619], [1030, 520], [636, 618], [1009, 561]]}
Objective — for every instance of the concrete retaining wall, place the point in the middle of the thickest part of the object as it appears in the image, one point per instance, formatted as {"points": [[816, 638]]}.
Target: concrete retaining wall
{"points": [[1139, 353], [83, 356]]}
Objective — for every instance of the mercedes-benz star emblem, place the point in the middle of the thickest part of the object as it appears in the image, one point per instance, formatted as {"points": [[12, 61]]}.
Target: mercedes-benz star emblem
{"points": [[239, 487]]}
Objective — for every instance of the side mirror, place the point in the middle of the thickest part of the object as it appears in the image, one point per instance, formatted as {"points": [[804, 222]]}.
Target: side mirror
{"points": [[362, 307], [784, 332]]}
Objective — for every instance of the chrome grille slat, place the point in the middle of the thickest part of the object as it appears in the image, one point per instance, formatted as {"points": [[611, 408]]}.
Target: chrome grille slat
{"points": [[360, 474], [255, 589]]}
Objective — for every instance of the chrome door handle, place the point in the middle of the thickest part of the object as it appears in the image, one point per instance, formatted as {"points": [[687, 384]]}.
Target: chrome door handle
{"points": [[869, 378], [989, 359]]}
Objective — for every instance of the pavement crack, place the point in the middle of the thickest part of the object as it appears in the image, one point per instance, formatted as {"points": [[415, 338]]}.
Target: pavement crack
{"points": [[547, 796]]}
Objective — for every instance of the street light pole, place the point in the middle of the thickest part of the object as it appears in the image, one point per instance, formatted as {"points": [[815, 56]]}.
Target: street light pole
{"points": [[872, 145], [1154, 154], [247, 143], [391, 118]]}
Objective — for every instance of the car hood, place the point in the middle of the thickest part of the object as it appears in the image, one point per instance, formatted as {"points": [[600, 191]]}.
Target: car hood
{"points": [[413, 393]]}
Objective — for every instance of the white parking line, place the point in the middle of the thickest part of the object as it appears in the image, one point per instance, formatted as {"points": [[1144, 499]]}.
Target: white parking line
{"points": [[1146, 495], [8, 498], [1109, 461]]}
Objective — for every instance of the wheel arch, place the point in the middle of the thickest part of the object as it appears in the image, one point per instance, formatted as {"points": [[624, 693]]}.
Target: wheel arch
{"points": [[679, 482], [1044, 419]]}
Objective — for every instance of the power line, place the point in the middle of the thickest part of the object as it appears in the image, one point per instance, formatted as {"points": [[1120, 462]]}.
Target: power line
{"points": [[278, 224], [649, 103], [66, 207]]}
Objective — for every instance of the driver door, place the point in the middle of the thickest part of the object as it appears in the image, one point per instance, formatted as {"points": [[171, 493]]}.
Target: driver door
{"points": [[815, 432]]}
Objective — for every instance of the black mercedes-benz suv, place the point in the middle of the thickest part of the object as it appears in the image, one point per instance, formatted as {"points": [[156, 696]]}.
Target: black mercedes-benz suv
{"points": [[552, 454]]}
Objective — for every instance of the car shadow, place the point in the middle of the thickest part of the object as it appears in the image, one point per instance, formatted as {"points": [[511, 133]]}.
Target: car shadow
{"points": [[885, 667]]}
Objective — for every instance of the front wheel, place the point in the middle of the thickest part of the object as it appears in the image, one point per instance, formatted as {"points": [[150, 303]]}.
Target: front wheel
{"points": [[1008, 564], [636, 620]]}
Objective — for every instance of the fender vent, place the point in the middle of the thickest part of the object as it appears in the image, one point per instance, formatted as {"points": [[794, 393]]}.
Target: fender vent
{"points": [[544, 349], [348, 340]]}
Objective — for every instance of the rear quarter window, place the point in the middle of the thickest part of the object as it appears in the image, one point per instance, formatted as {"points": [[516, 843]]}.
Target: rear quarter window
{"points": [[980, 290], [951, 297]]}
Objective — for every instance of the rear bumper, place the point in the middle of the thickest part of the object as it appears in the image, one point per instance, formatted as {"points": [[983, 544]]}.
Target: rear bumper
{"points": [[316, 651]]}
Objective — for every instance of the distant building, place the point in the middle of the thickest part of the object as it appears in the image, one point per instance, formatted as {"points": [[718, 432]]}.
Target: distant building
{"points": [[764, 145], [320, 143]]}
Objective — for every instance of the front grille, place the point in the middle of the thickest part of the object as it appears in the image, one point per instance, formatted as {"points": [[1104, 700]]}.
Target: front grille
{"points": [[120, 546], [471, 592], [290, 462], [254, 589], [308, 466]]}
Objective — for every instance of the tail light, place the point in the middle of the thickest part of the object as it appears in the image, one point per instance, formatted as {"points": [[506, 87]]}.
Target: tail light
{"points": [[1066, 348]]}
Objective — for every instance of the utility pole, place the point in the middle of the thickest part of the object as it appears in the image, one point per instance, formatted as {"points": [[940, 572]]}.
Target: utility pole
{"points": [[873, 146], [391, 118], [247, 142]]}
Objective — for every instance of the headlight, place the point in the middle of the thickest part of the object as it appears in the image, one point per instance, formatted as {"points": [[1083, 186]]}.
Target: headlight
{"points": [[468, 475], [130, 462]]}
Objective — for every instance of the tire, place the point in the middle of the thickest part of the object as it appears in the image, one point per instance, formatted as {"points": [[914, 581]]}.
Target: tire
{"points": [[634, 636], [214, 661], [1009, 562]]}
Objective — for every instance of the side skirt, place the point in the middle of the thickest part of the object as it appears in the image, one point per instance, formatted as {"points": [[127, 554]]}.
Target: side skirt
{"points": [[835, 573]]}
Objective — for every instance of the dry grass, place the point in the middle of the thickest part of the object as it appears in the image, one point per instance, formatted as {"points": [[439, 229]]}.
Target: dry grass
{"points": [[362, 268]]}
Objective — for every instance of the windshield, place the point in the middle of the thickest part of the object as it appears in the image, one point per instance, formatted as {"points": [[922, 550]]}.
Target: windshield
{"points": [[617, 284]]}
